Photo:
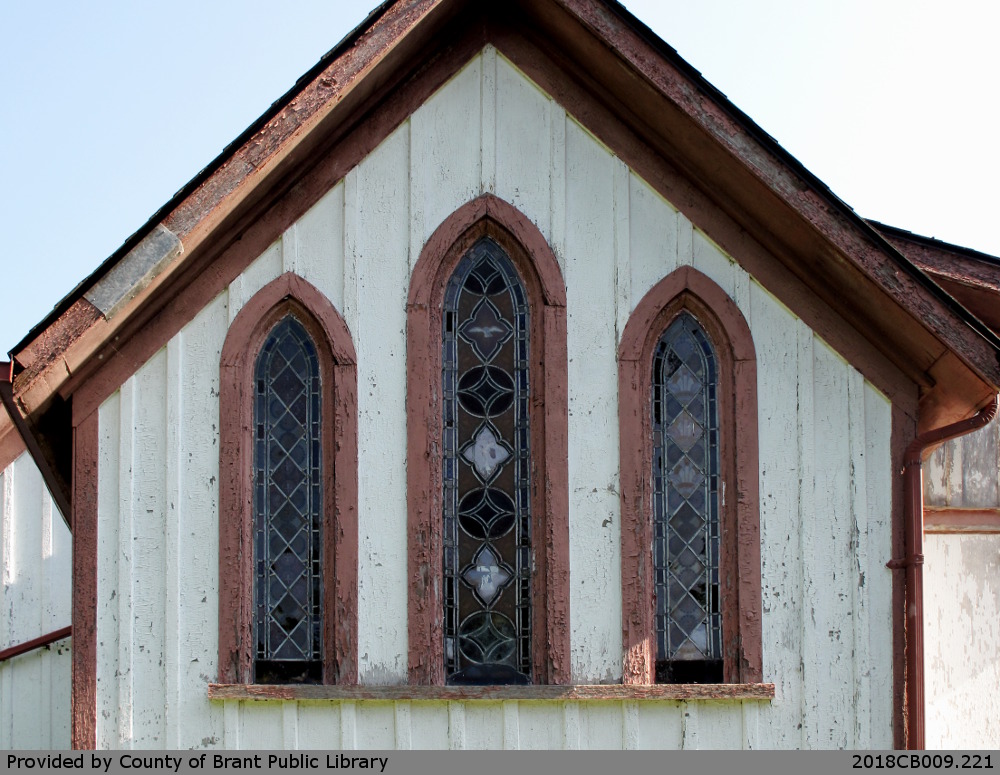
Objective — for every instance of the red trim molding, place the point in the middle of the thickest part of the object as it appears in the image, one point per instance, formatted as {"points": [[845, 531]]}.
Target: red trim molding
{"points": [[289, 294], [35, 643], [686, 289], [546, 290], [579, 692], [959, 520], [86, 448], [11, 444]]}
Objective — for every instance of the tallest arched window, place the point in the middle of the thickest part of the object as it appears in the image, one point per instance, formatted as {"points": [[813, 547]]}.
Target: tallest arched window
{"points": [[486, 472]]}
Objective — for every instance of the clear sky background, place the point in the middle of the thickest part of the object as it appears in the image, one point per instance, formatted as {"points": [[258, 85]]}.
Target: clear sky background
{"points": [[109, 107]]}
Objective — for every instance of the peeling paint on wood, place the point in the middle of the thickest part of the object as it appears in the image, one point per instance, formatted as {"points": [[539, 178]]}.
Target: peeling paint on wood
{"points": [[815, 413]]}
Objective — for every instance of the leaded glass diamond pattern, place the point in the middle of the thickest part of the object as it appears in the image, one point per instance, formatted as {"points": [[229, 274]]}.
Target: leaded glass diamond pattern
{"points": [[288, 504], [487, 515], [686, 501]]}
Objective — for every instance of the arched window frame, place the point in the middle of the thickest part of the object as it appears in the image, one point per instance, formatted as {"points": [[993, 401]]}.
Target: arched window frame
{"points": [[288, 294], [688, 290], [539, 271]]}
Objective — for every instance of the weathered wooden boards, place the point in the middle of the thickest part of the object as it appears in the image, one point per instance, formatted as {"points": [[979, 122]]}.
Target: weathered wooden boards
{"points": [[824, 466]]}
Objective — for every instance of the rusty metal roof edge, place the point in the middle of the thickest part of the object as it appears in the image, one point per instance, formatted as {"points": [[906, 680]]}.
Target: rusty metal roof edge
{"points": [[647, 34], [204, 174], [934, 242], [773, 146]]}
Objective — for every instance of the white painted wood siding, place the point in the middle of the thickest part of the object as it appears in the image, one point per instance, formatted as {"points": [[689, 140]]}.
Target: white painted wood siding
{"points": [[962, 640], [35, 577], [824, 480], [964, 473]]}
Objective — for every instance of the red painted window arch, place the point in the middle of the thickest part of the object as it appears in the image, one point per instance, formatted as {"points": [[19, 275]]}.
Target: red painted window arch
{"points": [[688, 290], [289, 294], [539, 270]]}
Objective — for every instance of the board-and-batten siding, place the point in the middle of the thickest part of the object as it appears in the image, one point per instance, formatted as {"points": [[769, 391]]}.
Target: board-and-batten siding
{"points": [[964, 473], [35, 588], [962, 632], [824, 474]]}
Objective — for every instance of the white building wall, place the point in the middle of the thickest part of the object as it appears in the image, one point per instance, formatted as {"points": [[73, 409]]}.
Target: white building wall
{"points": [[825, 471], [962, 635], [35, 589]]}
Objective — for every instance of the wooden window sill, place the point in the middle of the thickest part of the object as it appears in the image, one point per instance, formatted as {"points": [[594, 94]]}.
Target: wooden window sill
{"points": [[529, 693]]}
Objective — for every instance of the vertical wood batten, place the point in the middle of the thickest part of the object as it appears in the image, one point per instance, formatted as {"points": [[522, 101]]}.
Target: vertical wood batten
{"points": [[123, 550], [571, 726], [6, 671], [652, 239], [860, 541], [263, 270], [429, 725], [557, 193], [173, 578], [148, 567], [878, 578], [379, 246], [197, 514], [456, 726], [709, 260], [404, 736], [447, 157], [108, 522], [661, 725], [488, 120], [622, 255], [831, 568], [313, 247], [261, 725], [776, 341], [595, 599], [806, 511], [523, 139]]}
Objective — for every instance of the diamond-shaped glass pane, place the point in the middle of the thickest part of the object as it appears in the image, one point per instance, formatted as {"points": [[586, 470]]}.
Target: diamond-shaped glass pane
{"points": [[287, 507], [684, 385], [685, 498], [685, 477], [685, 431]]}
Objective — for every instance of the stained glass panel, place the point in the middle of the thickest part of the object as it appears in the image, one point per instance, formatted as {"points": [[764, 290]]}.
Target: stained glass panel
{"points": [[686, 506], [287, 508], [487, 516]]}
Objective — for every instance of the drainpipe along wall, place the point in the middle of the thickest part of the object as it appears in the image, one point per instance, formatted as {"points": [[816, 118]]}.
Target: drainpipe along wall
{"points": [[913, 562]]}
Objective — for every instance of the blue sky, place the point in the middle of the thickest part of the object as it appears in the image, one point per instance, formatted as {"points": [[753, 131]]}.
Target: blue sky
{"points": [[110, 107]]}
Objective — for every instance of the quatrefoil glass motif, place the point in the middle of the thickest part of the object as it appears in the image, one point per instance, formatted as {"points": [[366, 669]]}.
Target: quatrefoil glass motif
{"points": [[486, 330], [487, 575], [486, 452]]}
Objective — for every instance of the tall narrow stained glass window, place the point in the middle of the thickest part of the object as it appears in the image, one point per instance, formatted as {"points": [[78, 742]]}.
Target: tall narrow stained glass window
{"points": [[487, 513], [686, 506], [288, 508]]}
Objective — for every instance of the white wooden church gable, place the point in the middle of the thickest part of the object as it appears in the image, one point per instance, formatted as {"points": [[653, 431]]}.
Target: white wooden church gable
{"points": [[825, 474]]}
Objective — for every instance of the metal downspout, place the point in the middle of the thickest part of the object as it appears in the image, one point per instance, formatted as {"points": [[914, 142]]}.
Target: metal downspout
{"points": [[913, 562]]}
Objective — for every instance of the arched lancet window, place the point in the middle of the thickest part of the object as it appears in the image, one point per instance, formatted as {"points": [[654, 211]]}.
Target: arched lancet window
{"points": [[691, 575], [487, 483], [288, 508], [685, 424], [487, 498], [288, 491]]}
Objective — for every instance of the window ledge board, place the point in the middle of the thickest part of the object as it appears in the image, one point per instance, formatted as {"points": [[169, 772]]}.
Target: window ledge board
{"points": [[539, 693]]}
